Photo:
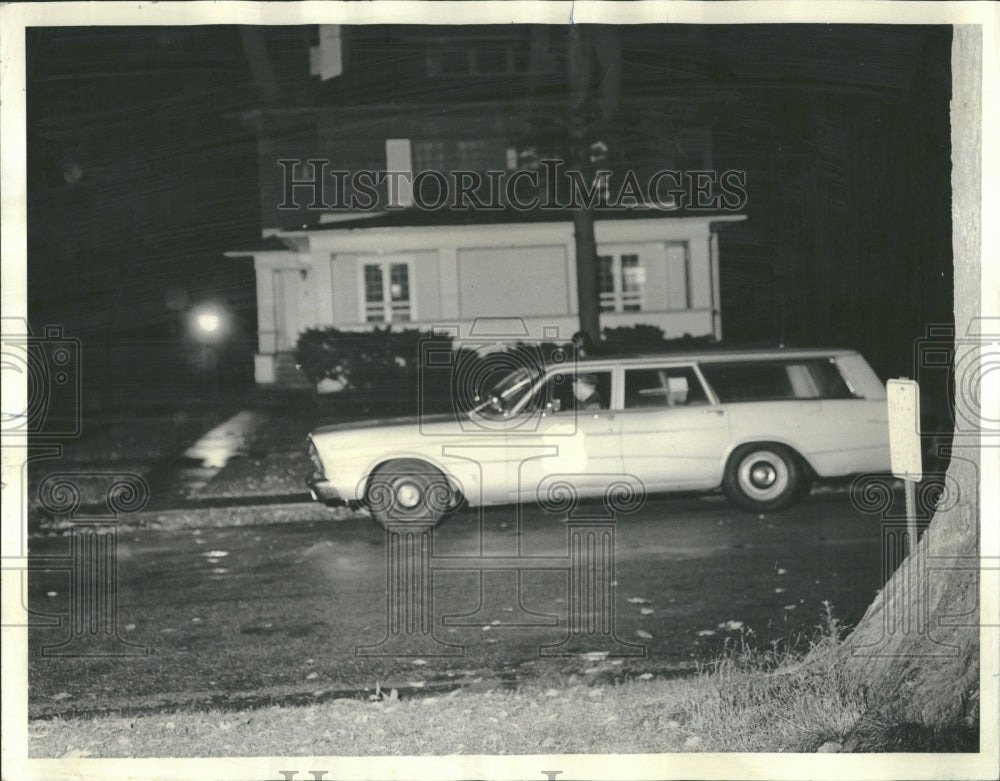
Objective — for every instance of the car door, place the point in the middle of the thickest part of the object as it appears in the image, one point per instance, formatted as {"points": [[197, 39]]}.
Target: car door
{"points": [[673, 433], [573, 440]]}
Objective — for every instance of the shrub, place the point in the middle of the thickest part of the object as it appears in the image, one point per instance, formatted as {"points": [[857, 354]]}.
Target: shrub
{"points": [[643, 338]]}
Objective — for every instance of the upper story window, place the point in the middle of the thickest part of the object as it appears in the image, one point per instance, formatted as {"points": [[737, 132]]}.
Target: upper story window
{"points": [[387, 293], [621, 281], [485, 58], [446, 155]]}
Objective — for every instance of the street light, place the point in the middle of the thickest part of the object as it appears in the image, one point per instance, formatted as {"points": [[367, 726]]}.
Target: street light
{"points": [[209, 325]]}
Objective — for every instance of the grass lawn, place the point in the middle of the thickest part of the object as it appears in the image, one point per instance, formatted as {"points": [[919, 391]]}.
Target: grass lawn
{"points": [[705, 713], [750, 701]]}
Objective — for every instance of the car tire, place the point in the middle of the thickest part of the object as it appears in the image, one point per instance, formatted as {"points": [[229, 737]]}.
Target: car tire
{"points": [[765, 476], [408, 491]]}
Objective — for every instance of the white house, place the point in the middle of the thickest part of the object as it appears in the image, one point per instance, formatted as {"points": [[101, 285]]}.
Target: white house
{"points": [[662, 271]]}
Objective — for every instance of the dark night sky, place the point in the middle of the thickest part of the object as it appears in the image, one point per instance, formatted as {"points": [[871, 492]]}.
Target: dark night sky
{"points": [[141, 173]]}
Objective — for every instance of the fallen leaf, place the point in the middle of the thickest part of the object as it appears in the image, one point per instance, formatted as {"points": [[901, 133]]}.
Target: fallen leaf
{"points": [[782, 571], [643, 634], [418, 661], [62, 696], [706, 633], [790, 607], [645, 611], [51, 593], [311, 676], [638, 600], [779, 590], [645, 676]]}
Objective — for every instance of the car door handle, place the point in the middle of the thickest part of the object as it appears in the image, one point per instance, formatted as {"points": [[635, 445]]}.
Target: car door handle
{"points": [[714, 411]]}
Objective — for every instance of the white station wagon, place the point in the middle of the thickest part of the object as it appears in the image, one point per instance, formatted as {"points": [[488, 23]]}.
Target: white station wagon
{"points": [[762, 425]]}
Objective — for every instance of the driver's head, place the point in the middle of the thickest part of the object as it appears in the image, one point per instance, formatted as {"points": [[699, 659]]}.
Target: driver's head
{"points": [[584, 387]]}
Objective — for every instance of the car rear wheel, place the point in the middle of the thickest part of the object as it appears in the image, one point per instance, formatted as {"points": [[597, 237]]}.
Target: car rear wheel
{"points": [[408, 491], [764, 477]]}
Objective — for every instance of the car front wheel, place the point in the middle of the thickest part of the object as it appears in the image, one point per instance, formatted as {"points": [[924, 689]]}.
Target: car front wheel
{"points": [[764, 477], [408, 491]]}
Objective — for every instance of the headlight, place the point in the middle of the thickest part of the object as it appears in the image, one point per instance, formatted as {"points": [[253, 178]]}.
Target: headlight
{"points": [[316, 460]]}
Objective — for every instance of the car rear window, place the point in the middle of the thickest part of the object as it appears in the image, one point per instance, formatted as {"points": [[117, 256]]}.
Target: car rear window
{"points": [[816, 378]]}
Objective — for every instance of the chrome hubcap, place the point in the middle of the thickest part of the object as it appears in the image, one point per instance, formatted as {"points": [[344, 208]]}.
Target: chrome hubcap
{"points": [[408, 495], [763, 475]]}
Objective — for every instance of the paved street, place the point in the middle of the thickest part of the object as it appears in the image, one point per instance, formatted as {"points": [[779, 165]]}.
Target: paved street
{"points": [[238, 616]]}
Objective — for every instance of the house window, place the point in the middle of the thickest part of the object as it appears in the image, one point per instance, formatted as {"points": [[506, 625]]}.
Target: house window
{"points": [[387, 293], [454, 155], [621, 281]]}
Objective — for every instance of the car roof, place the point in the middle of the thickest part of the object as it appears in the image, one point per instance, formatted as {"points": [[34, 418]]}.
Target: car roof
{"points": [[711, 356]]}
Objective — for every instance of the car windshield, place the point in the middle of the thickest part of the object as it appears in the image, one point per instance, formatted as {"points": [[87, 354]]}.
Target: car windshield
{"points": [[502, 399]]}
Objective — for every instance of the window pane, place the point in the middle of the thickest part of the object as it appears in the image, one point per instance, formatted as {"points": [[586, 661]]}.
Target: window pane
{"points": [[828, 380], [666, 387], [594, 393], [633, 281], [606, 282], [373, 284], [400, 282], [776, 380]]}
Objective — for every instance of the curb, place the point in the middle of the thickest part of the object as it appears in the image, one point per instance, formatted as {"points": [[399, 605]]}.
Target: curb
{"points": [[233, 515]]}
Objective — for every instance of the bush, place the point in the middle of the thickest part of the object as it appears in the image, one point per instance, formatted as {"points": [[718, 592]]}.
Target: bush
{"points": [[648, 339], [379, 372]]}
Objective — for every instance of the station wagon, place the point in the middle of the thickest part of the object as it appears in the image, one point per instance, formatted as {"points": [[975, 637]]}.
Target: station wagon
{"points": [[760, 425]]}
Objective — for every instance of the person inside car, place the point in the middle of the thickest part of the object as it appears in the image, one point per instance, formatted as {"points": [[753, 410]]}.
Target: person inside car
{"points": [[586, 394]]}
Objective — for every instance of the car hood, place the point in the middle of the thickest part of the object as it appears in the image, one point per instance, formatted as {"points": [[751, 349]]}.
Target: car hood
{"points": [[398, 422]]}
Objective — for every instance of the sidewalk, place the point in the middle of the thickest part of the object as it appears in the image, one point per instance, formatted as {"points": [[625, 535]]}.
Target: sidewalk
{"points": [[249, 469]]}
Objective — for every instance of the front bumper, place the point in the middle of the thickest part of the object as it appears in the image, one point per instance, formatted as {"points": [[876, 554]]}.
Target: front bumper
{"points": [[323, 492]]}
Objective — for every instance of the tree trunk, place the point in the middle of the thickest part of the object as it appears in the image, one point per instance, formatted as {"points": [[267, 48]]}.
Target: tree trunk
{"points": [[917, 647], [587, 294]]}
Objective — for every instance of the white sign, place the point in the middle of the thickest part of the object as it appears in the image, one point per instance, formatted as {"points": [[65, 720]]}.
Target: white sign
{"points": [[904, 429]]}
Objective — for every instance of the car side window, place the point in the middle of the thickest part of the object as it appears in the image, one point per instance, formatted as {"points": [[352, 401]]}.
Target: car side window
{"points": [[674, 386], [776, 380], [575, 391]]}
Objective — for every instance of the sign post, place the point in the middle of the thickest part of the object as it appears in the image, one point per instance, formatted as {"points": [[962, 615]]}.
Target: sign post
{"points": [[903, 398]]}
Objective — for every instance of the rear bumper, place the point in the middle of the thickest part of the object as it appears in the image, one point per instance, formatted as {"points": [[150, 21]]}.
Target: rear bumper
{"points": [[323, 492]]}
